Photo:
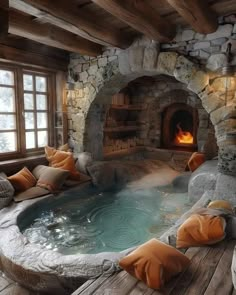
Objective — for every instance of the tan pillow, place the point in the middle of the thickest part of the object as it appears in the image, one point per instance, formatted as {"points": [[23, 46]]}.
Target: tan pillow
{"points": [[200, 230], [50, 178], [22, 180], [221, 204], [62, 160], [31, 193], [154, 263]]}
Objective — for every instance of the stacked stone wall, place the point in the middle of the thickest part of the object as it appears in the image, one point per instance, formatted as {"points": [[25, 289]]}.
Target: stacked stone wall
{"points": [[191, 59]]}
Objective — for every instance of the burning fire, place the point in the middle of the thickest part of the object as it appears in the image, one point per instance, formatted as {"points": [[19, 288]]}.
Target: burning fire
{"points": [[183, 136]]}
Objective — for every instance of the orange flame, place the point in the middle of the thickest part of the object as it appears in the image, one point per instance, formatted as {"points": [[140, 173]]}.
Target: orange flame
{"points": [[183, 136]]}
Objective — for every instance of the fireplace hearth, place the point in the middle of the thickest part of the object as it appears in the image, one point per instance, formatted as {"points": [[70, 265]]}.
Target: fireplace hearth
{"points": [[179, 127]]}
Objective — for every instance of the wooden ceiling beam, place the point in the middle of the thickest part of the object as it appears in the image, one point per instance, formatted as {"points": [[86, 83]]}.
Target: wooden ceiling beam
{"points": [[68, 17], [140, 16], [11, 54], [197, 13], [4, 18], [23, 26]]}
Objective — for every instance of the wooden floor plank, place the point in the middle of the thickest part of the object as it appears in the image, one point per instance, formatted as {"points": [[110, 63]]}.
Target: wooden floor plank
{"points": [[121, 284], [205, 270], [221, 282], [208, 274], [90, 286], [142, 289], [3, 283], [182, 281]]}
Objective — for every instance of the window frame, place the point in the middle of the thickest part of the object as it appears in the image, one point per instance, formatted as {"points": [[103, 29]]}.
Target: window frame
{"points": [[19, 70]]}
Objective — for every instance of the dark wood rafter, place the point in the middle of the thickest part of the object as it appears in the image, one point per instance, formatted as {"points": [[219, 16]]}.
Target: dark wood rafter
{"points": [[4, 18], [141, 16], [197, 13], [23, 26], [70, 18], [25, 57]]}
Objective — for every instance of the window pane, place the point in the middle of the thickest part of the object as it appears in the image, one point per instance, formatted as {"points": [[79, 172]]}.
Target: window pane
{"points": [[7, 122], [42, 120], [6, 77], [7, 99], [29, 120], [42, 138], [41, 101], [28, 82], [7, 142], [30, 140], [41, 84], [28, 101]]}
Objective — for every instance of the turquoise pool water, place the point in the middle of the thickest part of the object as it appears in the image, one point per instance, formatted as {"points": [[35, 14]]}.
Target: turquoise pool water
{"points": [[106, 221]]}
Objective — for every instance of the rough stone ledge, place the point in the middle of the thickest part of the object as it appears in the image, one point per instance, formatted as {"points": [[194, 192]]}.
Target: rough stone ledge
{"points": [[45, 270]]}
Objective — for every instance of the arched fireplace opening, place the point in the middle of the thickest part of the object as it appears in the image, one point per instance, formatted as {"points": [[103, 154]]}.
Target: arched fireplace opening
{"points": [[179, 127]]}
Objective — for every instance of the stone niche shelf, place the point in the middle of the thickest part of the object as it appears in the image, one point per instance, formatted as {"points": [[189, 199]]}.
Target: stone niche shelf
{"points": [[122, 127]]}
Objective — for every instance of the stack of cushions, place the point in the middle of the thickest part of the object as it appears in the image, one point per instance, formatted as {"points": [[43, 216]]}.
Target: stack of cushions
{"points": [[154, 263], [206, 228], [6, 192], [63, 160]]}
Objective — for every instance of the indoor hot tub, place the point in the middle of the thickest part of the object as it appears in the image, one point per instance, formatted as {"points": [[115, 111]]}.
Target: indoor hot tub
{"points": [[56, 243]]}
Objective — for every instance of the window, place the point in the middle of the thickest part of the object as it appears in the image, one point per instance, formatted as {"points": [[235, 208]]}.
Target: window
{"points": [[26, 104]]}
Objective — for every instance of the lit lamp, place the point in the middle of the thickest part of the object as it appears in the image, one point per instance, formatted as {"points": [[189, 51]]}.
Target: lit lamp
{"points": [[227, 71]]}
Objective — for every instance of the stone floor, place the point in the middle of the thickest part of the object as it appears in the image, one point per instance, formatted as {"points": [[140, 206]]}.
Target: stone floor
{"points": [[9, 287]]}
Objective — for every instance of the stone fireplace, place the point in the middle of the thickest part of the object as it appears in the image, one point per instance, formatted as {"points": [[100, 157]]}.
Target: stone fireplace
{"points": [[179, 127], [194, 74]]}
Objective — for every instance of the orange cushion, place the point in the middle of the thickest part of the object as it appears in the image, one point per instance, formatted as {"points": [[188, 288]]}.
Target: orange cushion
{"points": [[22, 180], [195, 161], [199, 230], [154, 263], [221, 204], [62, 160]]}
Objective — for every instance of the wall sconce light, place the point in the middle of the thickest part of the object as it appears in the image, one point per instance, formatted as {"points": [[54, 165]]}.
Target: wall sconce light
{"points": [[227, 71]]}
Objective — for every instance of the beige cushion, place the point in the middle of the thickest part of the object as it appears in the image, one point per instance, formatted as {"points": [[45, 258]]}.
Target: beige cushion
{"points": [[50, 178], [31, 193]]}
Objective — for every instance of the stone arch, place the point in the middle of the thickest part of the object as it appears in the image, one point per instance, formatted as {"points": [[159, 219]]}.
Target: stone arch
{"points": [[140, 60]]}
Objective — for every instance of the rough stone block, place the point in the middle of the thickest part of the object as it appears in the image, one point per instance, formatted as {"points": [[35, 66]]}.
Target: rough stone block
{"points": [[216, 61], [218, 41], [166, 63], [203, 54], [150, 58], [184, 70], [124, 66], [93, 69], [223, 113], [222, 31], [201, 45], [83, 76], [102, 62], [198, 81], [136, 56], [187, 35], [211, 102]]}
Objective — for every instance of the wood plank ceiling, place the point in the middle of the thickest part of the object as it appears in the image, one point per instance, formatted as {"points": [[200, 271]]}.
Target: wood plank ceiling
{"points": [[86, 26]]}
